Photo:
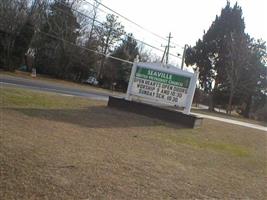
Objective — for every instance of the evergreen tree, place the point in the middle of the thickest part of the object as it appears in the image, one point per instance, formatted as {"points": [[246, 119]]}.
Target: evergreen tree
{"points": [[211, 54], [252, 89], [231, 64], [118, 71]]}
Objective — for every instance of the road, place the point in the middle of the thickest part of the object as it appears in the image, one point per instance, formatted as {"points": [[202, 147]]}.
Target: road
{"points": [[72, 91], [51, 87]]}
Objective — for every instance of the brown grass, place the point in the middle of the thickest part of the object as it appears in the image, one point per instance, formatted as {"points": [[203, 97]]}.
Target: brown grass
{"points": [[54, 147]]}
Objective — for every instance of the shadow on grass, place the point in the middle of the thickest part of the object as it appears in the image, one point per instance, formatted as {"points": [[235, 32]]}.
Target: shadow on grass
{"points": [[94, 117]]}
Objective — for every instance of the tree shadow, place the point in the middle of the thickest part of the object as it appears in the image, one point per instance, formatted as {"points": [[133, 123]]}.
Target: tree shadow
{"points": [[95, 117]]}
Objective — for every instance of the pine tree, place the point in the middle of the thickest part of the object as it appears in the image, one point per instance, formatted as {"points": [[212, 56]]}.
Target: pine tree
{"points": [[231, 64], [210, 53], [118, 71]]}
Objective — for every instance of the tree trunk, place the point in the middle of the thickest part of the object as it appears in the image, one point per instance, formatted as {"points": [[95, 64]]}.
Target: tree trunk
{"points": [[246, 111], [211, 102], [106, 47], [8, 61], [100, 74], [229, 107]]}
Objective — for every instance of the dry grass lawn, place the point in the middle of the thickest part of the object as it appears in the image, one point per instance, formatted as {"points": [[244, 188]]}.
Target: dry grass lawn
{"points": [[55, 147]]}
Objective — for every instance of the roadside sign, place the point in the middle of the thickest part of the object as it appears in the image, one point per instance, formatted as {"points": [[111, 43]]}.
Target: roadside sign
{"points": [[168, 85], [33, 74]]}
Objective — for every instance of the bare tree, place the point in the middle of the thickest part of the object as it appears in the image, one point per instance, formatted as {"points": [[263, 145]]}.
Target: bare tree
{"points": [[109, 33]]}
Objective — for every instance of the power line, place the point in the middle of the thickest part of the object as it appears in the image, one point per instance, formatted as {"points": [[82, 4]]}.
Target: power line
{"points": [[87, 49], [87, 2], [145, 29], [128, 19], [101, 23], [107, 13], [82, 47]]}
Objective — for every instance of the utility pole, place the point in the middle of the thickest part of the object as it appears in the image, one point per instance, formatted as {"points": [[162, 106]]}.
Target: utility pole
{"points": [[167, 50], [163, 54]]}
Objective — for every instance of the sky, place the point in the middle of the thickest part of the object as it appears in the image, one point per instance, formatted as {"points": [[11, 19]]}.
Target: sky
{"points": [[185, 19]]}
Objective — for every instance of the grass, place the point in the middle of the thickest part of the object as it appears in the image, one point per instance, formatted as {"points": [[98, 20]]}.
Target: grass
{"points": [[27, 99], [217, 146], [58, 147]]}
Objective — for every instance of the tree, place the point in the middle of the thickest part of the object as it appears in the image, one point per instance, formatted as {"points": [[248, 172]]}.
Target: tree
{"points": [[22, 43], [18, 21], [231, 64], [210, 54], [145, 55], [13, 14], [94, 16], [58, 35], [237, 62], [253, 86], [109, 34], [119, 71]]}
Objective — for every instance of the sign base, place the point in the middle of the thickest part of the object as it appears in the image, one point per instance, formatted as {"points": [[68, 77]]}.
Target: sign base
{"points": [[169, 115]]}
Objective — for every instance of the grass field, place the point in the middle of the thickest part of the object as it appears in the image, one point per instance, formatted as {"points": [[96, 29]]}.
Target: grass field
{"points": [[57, 147]]}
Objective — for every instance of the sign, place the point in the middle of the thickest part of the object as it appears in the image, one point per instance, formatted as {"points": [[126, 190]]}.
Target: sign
{"points": [[153, 83], [33, 74]]}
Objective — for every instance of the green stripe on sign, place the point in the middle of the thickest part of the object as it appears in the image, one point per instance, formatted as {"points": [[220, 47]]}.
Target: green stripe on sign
{"points": [[162, 77]]}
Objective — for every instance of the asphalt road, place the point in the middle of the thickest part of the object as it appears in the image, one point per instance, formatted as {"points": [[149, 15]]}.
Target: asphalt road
{"points": [[50, 87], [72, 91]]}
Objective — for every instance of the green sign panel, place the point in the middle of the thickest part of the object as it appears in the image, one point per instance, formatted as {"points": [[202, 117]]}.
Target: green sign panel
{"points": [[162, 77]]}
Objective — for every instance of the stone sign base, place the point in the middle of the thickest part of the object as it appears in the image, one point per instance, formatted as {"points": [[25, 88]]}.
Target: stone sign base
{"points": [[164, 114]]}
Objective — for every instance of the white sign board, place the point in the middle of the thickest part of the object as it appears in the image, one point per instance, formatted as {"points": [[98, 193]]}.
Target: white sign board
{"points": [[151, 82]]}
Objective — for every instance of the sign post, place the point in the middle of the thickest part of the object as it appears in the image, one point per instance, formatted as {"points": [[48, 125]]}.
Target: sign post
{"points": [[130, 84], [191, 93]]}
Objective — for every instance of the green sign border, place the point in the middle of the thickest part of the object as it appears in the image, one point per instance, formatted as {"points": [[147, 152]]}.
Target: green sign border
{"points": [[162, 77]]}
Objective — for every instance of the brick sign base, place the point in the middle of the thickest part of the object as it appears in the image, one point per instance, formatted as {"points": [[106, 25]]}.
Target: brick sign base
{"points": [[164, 114]]}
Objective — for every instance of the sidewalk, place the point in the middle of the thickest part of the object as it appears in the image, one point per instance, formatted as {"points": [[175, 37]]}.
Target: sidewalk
{"points": [[230, 121]]}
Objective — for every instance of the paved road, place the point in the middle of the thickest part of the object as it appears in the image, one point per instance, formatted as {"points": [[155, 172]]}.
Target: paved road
{"points": [[51, 87], [64, 90]]}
